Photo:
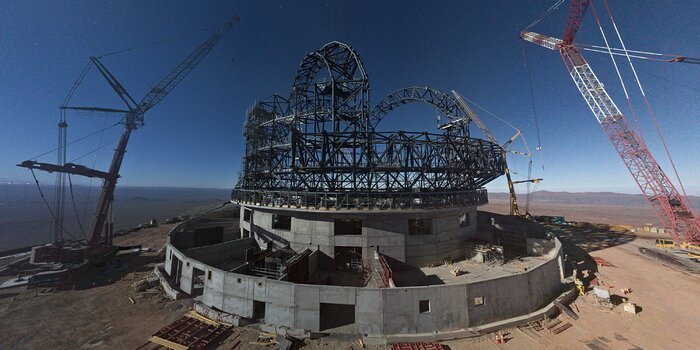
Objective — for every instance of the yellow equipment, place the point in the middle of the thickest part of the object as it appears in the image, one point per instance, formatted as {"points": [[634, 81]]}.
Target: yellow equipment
{"points": [[665, 243], [693, 250]]}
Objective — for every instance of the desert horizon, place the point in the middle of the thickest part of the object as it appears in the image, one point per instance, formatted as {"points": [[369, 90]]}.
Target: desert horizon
{"points": [[28, 222]]}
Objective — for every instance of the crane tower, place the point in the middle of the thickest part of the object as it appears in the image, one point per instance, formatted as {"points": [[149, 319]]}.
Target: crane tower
{"points": [[667, 202], [99, 238]]}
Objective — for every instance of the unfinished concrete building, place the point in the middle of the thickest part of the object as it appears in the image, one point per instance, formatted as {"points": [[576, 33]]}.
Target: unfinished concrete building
{"points": [[339, 227]]}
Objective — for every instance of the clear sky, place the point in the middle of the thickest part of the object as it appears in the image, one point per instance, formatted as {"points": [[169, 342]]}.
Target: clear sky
{"points": [[193, 138]]}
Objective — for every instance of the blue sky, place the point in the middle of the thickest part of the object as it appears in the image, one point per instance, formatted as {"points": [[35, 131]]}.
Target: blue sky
{"points": [[193, 138]]}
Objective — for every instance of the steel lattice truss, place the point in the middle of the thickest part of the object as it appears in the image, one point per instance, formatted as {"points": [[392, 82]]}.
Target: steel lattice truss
{"points": [[316, 146]]}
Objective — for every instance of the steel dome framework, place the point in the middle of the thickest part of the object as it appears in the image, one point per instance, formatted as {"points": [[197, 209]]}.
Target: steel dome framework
{"points": [[316, 146]]}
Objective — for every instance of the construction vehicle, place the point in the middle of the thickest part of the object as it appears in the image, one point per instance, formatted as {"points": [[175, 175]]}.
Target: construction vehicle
{"points": [[557, 220], [98, 242], [668, 203], [665, 243], [514, 208], [690, 250]]}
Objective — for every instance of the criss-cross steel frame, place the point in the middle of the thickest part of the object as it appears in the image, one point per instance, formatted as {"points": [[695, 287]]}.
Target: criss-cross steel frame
{"points": [[316, 146]]}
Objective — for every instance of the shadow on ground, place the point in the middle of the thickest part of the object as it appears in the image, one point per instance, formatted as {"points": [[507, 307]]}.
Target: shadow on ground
{"points": [[405, 275], [580, 240], [592, 237], [115, 270]]}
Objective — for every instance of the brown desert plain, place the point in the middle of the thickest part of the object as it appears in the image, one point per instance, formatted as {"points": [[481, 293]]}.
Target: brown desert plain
{"points": [[111, 315]]}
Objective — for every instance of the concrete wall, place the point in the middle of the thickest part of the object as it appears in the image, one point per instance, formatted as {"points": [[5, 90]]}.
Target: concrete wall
{"points": [[202, 258], [451, 306], [218, 253], [185, 238], [539, 246], [446, 240], [387, 230]]}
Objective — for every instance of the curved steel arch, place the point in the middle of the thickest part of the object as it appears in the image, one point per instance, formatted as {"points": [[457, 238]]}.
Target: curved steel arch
{"points": [[340, 59], [339, 104], [440, 100]]}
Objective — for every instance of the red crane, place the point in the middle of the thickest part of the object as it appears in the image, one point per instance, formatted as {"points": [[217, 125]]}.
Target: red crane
{"points": [[668, 203]]}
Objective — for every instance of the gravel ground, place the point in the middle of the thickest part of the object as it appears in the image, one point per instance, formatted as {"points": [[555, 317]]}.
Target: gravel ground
{"points": [[103, 317]]}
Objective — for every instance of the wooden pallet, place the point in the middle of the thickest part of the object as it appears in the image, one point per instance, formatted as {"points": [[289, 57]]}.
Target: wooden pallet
{"points": [[189, 332], [562, 328], [417, 346]]}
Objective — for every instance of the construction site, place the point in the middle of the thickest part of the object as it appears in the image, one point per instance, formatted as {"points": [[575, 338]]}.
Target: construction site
{"points": [[341, 234]]}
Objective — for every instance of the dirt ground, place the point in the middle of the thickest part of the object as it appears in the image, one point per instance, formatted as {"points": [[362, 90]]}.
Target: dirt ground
{"points": [[103, 316], [603, 214], [91, 317], [667, 302]]}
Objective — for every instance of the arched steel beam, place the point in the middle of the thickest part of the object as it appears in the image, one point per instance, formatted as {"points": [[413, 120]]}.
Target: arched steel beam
{"points": [[445, 103], [339, 104], [340, 59]]}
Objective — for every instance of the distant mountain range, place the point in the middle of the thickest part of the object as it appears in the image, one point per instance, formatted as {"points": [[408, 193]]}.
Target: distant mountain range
{"points": [[592, 198], [25, 220]]}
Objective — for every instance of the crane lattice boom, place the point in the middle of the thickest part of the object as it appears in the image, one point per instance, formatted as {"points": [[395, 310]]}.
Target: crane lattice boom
{"points": [[167, 84], [668, 203], [101, 222]]}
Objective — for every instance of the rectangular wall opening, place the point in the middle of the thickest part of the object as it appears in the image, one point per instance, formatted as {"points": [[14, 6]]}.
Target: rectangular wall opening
{"points": [[246, 215], [174, 262], [335, 316], [424, 306], [281, 222], [420, 226], [258, 310], [464, 220], [348, 227], [197, 282], [245, 233]]}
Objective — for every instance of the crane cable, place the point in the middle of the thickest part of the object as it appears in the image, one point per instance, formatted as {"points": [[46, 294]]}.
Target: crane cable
{"points": [[76, 140], [646, 100], [93, 151], [94, 163], [497, 117], [639, 54], [528, 194], [77, 83], [669, 80], [534, 107], [619, 76], [71, 92], [545, 14], [55, 219], [75, 209], [156, 42]]}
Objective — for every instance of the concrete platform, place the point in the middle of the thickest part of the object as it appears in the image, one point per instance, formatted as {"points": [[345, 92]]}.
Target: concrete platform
{"points": [[472, 271]]}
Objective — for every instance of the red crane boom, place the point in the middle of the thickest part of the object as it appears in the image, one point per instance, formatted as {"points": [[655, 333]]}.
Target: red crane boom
{"points": [[668, 203]]}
